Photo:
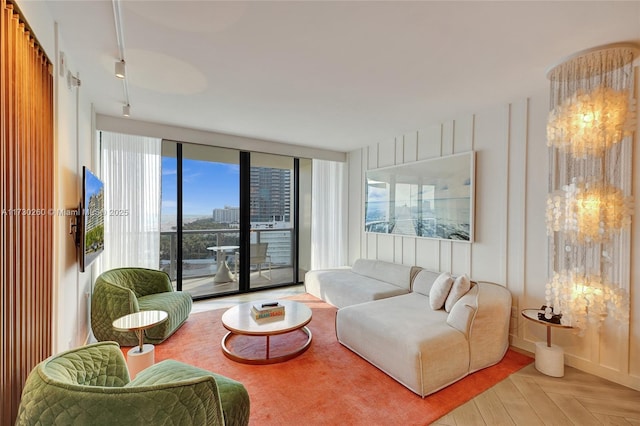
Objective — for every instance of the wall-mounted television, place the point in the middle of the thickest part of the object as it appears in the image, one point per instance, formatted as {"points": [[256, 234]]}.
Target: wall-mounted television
{"points": [[91, 219]]}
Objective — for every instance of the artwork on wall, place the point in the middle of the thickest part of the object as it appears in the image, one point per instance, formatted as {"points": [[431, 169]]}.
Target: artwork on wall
{"points": [[430, 198]]}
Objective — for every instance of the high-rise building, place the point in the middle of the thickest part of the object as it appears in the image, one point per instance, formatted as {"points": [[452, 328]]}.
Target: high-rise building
{"points": [[227, 215], [270, 195]]}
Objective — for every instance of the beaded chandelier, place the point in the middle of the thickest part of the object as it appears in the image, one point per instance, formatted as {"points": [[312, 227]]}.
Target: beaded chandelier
{"points": [[588, 213]]}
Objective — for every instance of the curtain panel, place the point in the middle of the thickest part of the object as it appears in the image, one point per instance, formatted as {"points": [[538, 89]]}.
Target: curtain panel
{"points": [[131, 171], [328, 215]]}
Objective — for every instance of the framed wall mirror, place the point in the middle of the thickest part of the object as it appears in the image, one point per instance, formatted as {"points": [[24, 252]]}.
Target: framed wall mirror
{"points": [[431, 198]]}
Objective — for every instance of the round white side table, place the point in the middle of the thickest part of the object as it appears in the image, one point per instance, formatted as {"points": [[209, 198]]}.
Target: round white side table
{"points": [[141, 356], [549, 358]]}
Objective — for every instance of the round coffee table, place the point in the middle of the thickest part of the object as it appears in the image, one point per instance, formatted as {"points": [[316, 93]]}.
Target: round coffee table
{"points": [[239, 321]]}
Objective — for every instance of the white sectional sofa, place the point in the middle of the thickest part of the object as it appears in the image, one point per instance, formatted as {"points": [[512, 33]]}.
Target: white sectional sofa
{"points": [[367, 280], [423, 348]]}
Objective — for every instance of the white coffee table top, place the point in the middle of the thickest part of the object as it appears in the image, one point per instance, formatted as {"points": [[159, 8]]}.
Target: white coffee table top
{"points": [[140, 320], [239, 320]]}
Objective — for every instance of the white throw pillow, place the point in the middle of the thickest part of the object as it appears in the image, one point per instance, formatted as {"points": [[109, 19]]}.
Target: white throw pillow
{"points": [[460, 287], [440, 291]]}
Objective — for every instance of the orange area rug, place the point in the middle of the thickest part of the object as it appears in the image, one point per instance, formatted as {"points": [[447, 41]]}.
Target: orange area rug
{"points": [[326, 385]]}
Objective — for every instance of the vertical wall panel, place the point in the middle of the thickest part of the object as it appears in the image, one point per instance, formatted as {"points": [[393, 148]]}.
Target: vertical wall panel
{"points": [[516, 215], [428, 253], [461, 258], [445, 256], [409, 250], [26, 202], [385, 247], [410, 152], [372, 158], [397, 249], [490, 144], [355, 201], [429, 142], [463, 135], [447, 138], [372, 245], [399, 155], [387, 153]]}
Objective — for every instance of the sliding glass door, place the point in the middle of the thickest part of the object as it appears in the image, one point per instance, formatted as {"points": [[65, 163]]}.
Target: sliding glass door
{"points": [[272, 238], [211, 242]]}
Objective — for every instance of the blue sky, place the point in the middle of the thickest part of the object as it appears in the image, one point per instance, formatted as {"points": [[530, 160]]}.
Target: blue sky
{"points": [[92, 185], [206, 186]]}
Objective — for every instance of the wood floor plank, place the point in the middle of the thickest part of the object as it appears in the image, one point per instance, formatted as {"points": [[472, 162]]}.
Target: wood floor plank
{"points": [[516, 405], [491, 408], [468, 414], [611, 420], [573, 409], [446, 420], [613, 407], [535, 395]]}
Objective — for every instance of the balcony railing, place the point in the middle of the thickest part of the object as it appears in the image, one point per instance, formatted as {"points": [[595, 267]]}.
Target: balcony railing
{"points": [[198, 262]]}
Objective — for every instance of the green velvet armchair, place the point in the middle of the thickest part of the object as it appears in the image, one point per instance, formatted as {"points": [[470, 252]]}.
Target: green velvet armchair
{"points": [[90, 385], [123, 291]]}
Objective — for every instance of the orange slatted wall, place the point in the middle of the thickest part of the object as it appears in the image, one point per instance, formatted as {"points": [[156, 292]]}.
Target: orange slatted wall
{"points": [[26, 197]]}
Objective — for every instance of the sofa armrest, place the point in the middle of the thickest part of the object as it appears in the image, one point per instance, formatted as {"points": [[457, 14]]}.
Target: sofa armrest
{"points": [[232, 395], [108, 303]]}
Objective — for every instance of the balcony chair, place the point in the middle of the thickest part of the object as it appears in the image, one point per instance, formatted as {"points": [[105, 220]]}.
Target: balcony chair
{"points": [[91, 385], [257, 256], [123, 291]]}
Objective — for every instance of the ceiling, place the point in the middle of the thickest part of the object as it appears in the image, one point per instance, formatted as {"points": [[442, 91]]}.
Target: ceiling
{"points": [[333, 75]]}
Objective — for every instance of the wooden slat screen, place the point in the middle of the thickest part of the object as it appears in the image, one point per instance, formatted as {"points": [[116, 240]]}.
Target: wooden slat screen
{"points": [[26, 197]]}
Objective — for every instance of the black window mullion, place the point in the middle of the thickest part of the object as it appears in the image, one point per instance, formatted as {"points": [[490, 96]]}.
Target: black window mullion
{"points": [[245, 221]]}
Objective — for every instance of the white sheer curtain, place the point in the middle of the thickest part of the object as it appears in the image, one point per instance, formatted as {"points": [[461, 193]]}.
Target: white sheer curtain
{"points": [[131, 171], [328, 215]]}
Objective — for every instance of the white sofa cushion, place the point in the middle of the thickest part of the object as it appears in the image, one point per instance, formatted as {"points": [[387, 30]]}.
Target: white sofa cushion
{"points": [[440, 290], [459, 288], [341, 287], [423, 282], [392, 273]]}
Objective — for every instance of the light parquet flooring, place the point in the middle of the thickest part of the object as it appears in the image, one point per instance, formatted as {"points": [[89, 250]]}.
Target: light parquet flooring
{"points": [[529, 397]]}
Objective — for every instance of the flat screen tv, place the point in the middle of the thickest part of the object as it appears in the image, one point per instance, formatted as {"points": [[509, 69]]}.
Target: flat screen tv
{"points": [[91, 216]]}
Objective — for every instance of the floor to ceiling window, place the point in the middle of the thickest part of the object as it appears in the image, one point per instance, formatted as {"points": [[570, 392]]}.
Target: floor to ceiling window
{"points": [[202, 218]]}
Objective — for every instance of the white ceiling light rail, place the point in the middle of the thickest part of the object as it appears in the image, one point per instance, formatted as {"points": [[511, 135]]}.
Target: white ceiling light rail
{"points": [[120, 66]]}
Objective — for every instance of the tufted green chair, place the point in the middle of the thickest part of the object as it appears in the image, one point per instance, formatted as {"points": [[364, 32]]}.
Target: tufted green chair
{"points": [[122, 291], [90, 385]]}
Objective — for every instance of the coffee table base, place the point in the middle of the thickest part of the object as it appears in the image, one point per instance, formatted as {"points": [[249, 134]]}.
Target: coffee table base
{"points": [[267, 359]]}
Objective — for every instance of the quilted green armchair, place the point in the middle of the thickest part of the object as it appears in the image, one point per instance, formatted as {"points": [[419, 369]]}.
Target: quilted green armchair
{"points": [[122, 291], [90, 385]]}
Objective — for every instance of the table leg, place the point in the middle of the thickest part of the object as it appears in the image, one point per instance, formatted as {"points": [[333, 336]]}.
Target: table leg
{"points": [[548, 336], [267, 346], [140, 334]]}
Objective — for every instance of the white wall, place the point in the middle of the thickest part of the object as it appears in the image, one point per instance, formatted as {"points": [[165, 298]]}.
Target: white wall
{"points": [[73, 139], [510, 242]]}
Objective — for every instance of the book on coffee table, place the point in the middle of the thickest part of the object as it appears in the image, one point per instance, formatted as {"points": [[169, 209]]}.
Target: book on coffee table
{"points": [[267, 310]]}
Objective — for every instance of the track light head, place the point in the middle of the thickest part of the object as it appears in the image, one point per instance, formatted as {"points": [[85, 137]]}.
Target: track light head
{"points": [[126, 110], [120, 69]]}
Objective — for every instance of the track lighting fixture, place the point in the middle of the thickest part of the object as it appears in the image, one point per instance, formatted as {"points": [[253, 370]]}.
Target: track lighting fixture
{"points": [[120, 69]]}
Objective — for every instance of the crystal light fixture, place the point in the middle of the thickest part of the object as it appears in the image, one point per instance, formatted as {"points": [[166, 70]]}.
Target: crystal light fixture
{"points": [[590, 132]]}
